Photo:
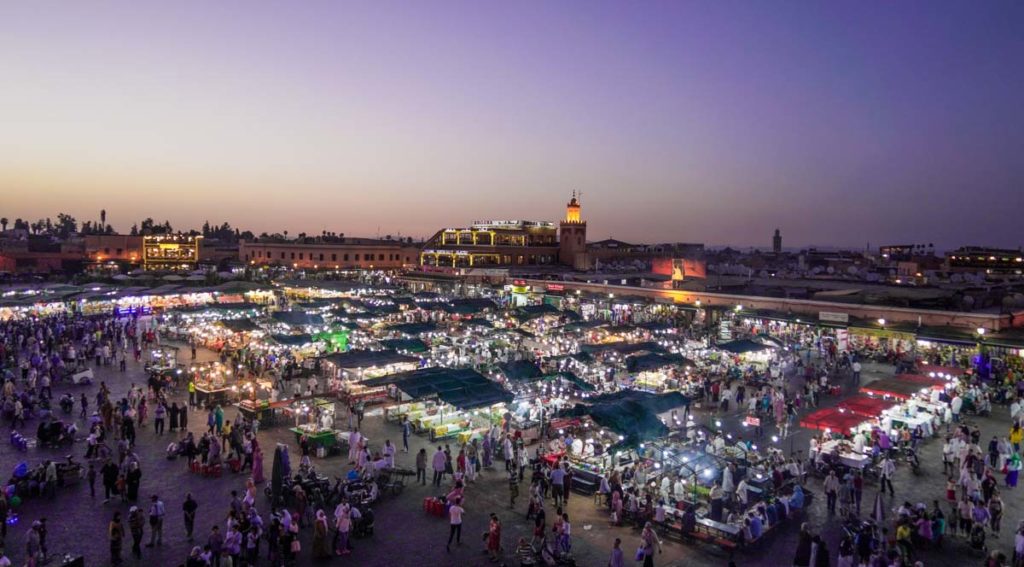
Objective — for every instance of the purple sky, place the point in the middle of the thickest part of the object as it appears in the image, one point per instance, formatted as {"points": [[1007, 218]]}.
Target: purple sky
{"points": [[840, 123]]}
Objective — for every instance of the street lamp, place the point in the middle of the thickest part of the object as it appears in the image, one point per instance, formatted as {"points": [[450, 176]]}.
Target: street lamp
{"points": [[881, 322], [981, 331]]}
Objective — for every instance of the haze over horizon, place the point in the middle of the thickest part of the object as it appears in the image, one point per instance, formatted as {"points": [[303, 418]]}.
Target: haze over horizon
{"points": [[840, 124]]}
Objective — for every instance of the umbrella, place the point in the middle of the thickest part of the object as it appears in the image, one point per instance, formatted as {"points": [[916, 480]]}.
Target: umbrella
{"points": [[878, 512]]}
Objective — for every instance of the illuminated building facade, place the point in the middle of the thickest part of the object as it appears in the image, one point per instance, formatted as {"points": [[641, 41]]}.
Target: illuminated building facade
{"points": [[572, 237], [493, 243], [170, 252], [988, 260]]}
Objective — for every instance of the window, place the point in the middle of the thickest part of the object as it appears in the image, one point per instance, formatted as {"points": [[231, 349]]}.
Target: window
{"points": [[321, 257], [357, 257], [282, 255], [379, 256], [300, 256], [106, 251], [334, 257], [119, 250], [293, 255], [345, 257]]}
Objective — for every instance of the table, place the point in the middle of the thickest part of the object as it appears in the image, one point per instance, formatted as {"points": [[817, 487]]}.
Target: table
{"points": [[894, 416], [212, 396], [324, 438], [850, 458], [718, 529]]}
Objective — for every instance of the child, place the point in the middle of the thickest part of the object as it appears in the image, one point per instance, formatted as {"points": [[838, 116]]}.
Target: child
{"points": [[951, 490]]}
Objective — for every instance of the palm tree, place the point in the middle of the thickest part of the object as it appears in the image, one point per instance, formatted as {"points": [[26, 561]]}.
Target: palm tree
{"points": [[3, 223], [103, 218]]}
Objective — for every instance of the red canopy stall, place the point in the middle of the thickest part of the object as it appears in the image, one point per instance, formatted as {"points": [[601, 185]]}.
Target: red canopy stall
{"points": [[866, 406]]}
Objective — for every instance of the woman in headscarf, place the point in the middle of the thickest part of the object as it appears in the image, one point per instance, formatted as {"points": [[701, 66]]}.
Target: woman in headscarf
{"points": [[320, 547], [257, 462], [1012, 470]]}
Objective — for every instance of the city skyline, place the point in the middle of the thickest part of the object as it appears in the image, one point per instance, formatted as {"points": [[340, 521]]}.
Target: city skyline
{"points": [[841, 125]]}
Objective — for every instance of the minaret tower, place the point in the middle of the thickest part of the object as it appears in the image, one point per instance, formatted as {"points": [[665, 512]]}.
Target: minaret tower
{"points": [[572, 235]]}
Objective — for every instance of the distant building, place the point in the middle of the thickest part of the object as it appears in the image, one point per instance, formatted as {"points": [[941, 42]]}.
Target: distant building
{"points": [[113, 248], [170, 252], [988, 260], [492, 243], [777, 242], [338, 253]]}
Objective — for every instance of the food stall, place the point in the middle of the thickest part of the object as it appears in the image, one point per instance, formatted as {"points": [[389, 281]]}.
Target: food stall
{"points": [[314, 418], [464, 399]]}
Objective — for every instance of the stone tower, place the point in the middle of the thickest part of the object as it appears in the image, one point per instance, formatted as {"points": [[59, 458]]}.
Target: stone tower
{"points": [[777, 242], [572, 236]]}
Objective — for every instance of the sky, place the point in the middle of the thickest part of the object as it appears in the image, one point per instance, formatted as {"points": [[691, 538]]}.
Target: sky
{"points": [[840, 123]]}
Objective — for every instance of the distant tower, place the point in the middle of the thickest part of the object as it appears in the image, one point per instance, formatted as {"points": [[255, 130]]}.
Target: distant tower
{"points": [[572, 236], [777, 242]]}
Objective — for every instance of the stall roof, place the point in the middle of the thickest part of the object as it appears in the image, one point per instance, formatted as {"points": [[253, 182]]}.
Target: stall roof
{"points": [[296, 318], [411, 345], [368, 358], [654, 361], [831, 419], [520, 370], [240, 325], [293, 340], [866, 406], [463, 388], [742, 346], [630, 413], [534, 311], [580, 383], [469, 306], [413, 328]]}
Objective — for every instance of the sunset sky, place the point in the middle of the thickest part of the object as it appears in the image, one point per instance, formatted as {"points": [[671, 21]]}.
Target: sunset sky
{"points": [[840, 123]]}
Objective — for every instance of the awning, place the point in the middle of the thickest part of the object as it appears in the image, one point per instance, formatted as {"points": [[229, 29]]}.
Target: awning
{"points": [[463, 388], [359, 359], [296, 318], [743, 346]]}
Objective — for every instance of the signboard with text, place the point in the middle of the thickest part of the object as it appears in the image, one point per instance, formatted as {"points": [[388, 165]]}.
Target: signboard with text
{"points": [[833, 317]]}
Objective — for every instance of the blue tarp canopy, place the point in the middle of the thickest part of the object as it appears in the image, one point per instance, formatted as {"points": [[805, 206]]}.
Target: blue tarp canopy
{"points": [[630, 413], [534, 311], [296, 318], [520, 370], [463, 388], [359, 359], [409, 345], [293, 340], [742, 346], [468, 306], [573, 379], [412, 329], [654, 361]]}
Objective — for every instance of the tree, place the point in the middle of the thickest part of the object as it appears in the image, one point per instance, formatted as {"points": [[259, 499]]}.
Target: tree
{"points": [[103, 218], [20, 224], [66, 225], [3, 223], [135, 230]]}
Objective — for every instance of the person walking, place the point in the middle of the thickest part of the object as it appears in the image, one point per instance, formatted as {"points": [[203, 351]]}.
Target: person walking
{"points": [[886, 470], [513, 486], [831, 490], [189, 508], [439, 462], [616, 559], [455, 512], [494, 538], [343, 523], [421, 467], [115, 533], [406, 430], [649, 540], [136, 523], [156, 521]]}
